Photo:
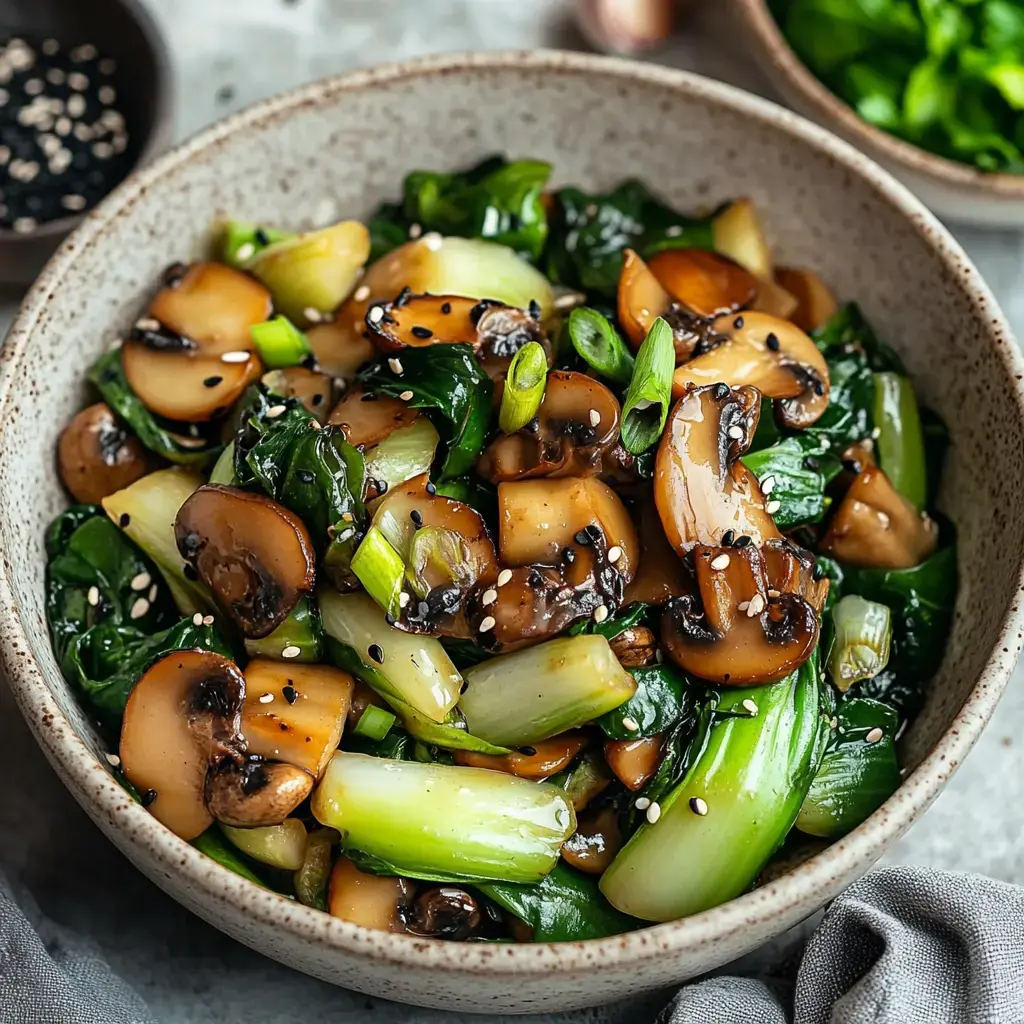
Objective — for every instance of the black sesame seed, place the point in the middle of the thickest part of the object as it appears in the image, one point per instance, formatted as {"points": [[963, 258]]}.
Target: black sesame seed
{"points": [[212, 382], [376, 653], [148, 797], [569, 556], [721, 391], [772, 341], [534, 309], [851, 465], [290, 694], [190, 573], [431, 488], [416, 516], [819, 387], [743, 541], [528, 751], [593, 531], [124, 520], [728, 537], [284, 727], [305, 476], [316, 400], [738, 323], [260, 237], [446, 308], [582, 537], [422, 332], [811, 463]]}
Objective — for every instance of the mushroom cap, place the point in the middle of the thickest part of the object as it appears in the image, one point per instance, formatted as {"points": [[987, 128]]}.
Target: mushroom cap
{"points": [[549, 757], [254, 555], [660, 575], [97, 456], [705, 282], [594, 844], [634, 762], [374, 901], [367, 419], [256, 793]]}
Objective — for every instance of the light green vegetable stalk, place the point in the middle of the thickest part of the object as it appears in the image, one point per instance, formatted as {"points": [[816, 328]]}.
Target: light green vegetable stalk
{"points": [[524, 387], [714, 832], [311, 880], [280, 846], [403, 454], [900, 441], [645, 407], [444, 822], [380, 569], [860, 650], [374, 723], [301, 629], [280, 343], [529, 695]]}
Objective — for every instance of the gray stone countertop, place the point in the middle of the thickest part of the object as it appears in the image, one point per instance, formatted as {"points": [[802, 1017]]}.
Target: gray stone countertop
{"points": [[229, 54]]}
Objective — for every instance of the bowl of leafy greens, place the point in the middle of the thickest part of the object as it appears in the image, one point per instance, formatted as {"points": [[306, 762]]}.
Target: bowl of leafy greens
{"points": [[932, 90], [476, 520]]}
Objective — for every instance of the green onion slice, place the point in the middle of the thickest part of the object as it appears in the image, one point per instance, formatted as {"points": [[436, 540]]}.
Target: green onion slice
{"points": [[280, 343], [524, 387], [374, 723], [645, 407], [380, 569], [242, 240], [599, 345], [861, 647]]}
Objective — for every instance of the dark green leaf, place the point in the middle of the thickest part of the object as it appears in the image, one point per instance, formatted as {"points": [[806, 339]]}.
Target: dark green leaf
{"points": [[216, 847], [635, 614], [663, 698], [936, 442]]}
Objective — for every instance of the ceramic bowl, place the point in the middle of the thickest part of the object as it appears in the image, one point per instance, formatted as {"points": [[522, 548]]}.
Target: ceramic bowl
{"points": [[337, 147], [956, 191]]}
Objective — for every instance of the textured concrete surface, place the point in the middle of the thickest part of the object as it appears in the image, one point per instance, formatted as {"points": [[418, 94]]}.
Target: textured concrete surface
{"points": [[229, 54]]}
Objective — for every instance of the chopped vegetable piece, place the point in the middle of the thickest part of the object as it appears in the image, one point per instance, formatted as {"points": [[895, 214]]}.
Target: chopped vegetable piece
{"points": [[240, 241], [645, 407], [599, 344], [900, 442], [373, 901], [374, 723], [312, 878], [380, 569], [280, 343], [524, 388], [860, 649], [300, 638], [278, 846]]}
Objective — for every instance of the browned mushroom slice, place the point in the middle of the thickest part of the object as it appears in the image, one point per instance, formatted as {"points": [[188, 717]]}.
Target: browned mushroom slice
{"points": [[256, 793], [419, 321], [770, 354], [367, 418], [876, 527], [701, 489], [816, 304], [594, 844], [315, 390], [707, 283], [539, 519], [254, 555], [660, 575], [540, 761], [635, 647], [96, 456], [174, 358], [577, 423], [774, 299], [791, 569], [342, 345], [634, 761], [374, 901], [295, 713], [732, 632], [182, 717], [445, 912]]}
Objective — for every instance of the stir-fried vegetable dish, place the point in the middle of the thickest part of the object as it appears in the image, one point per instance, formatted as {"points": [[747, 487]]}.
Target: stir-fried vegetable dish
{"points": [[521, 564]]}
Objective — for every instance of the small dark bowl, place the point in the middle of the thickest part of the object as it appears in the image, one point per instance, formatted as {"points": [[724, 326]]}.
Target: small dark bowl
{"points": [[123, 30]]}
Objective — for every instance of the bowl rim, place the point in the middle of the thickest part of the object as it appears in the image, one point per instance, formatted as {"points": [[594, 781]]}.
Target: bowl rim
{"points": [[90, 780], [774, 53]]}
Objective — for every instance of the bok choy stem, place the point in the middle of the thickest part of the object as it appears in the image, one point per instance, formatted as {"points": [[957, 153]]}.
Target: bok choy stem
{"points": [[863, 632]]}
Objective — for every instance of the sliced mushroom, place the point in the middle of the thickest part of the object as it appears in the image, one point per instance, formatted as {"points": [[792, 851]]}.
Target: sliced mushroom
{"points": [[661, 574], [732, 631], [701, 489], [706, 283], [97, 456], [594, 844], [576, 425], [368, 418], [539, 519], [254, 555], [774, 299], [341, 346], [256, 793], [181, 719], [374, 901], [445, 912], [642, 298], [315, 390], [876, 527], [815, 303], [791, 569], [634, 761], [295, 713], [635, 647], [770, 354], [540, 761], [173, 357]]}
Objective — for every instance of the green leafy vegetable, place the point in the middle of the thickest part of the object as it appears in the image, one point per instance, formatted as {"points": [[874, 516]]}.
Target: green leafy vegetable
{"points": [[449, 380], [900, 441], [663, 698], [645, 407], [599, 345], [301, 629]]}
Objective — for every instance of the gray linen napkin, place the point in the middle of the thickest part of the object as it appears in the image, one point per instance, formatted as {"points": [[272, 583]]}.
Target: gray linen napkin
{"points": [[901, 946]]}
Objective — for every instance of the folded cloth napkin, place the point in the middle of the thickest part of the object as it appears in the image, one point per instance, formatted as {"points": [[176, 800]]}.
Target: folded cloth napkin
{"points": [[901, 946]]}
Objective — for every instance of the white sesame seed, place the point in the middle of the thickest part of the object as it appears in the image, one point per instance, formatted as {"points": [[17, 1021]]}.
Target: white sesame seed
{"points": [[768, 484], [698, 806], [107, 66], [49, 144], [5, 155], [674, 231], [433, 241], [642, 803], [376, 314], [406, 396], [403, 599], [107, 94], [630, 724], [883, 520], [102, 150], [487, 622], [197, 619], [207, 620], [720, 561], [774, 593], [772, 507], [654, 812], [86, 51], [874, 736], [346, 535], [141, 581], [291, 651], [756, 606], [362, 293], [139, 609], [490, 596], [735, 431], [876, 432], [749, 706], [601, 613], [415, 231], [266, 698], [55, 76], [245, 251], [25, 225], [504, 576], [396, 366], [34, 86], [113, 760], [614, 553], [276, 410], [238, 356], [153, 591], [63, 126], [76, 105], [742, 606], [93, 597], [595, 417], [78, 81], [50, 47], [147, 323], [314, 316]]}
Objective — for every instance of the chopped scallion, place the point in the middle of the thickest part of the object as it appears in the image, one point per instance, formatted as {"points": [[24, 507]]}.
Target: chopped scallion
{"points": [[380, 569], [599, 345], [241, 241], [863, 630], [280, 343], [374, 723], [524, 387], [646, 404]]}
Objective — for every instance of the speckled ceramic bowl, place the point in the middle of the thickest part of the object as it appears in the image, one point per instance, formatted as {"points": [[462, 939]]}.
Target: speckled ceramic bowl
{"points": [[957, 191], [338, 146]]}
